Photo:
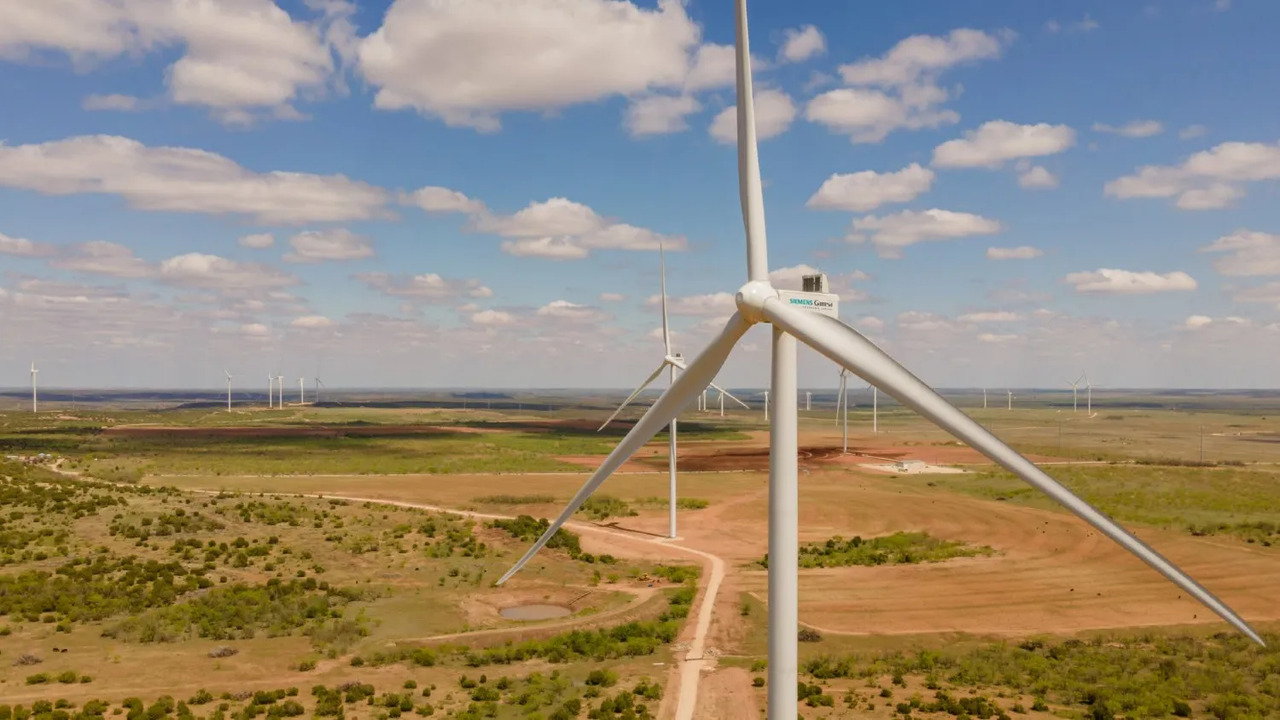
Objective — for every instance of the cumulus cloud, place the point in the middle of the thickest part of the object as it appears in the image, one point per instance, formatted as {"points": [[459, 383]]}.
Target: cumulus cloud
{"points": [[996, 337], [1132, 129], [255, 330], [1037, 178], [660, 114], [1106, 281], [569, 311], [800, 44], [103, 258], [257, 241], [774, 113], [900, 88], [237, 58], [425, 287], [1084, 24], [1246, 253], [890, 233], [311, 322], [334, 244], [198, 270], [1207, 180], [998, 141], [467, 62], [492, 318], [719, 304], [177, 179], [994, 316], [1022, 252], [868, 190], [557, 229], [612, 297], [23, 247]]}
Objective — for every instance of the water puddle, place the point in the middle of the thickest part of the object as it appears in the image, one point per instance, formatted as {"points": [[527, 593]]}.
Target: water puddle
{"points": [[534, 612]]}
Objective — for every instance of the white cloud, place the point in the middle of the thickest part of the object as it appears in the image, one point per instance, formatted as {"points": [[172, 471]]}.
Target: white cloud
{"points": [[714, 66], [23, 247], [660, 114], [1248, 253], [179, 179], [467, 62], [1268, 293], [104, 258], [427, 286], [197, 270], [921, 56], [237, 57], [311, 322], [1132, 129], [333, 244], [558, 228], [1084, 24], [900, 89], [868, 116], [573, 312], [996, 316], [1192, 131], [551, 248], [774, 113], [890, 233], [800, 44], [997, 337], [1022, 252], [1209, 179], [257, 241], [868, 190], [120, 103], [721, 304], [612, 297], [1125, 282], [1198, 321], [869, 322], [436, 199], [1037, 178], [492, 318], [998, 141], [255, 330]]}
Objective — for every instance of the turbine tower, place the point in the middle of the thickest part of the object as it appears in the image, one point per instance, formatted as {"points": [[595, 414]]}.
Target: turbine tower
{"points": [[302, 391], [808, 401], [319, 385], [875, 409], [812, 317], [1010, 398], [228, 374], [671, 361], [842, 406], [1088, 396], [1075, 386], [984, 398], [35, 401]]}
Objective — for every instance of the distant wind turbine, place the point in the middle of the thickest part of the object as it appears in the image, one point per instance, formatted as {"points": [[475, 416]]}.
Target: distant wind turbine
{"points": [[35, 404], [1010, 398], [228, 374], [875, 409], [984, 398], [842, 406], [319, 385], [1075, 386], [302, 391]]}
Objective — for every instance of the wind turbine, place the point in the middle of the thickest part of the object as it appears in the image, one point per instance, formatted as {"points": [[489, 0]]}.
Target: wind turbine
{"points": [[1088, 396], [766, 405], [1074, 389], [813, 318], [1010, 398], [875, 409], [35, 403], [228, 374], [271, 391], [984, 398], [319, 385], [842, 405], [302, 391], [808, 401]]}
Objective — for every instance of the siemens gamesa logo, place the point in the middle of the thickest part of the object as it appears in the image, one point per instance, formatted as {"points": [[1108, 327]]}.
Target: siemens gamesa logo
{"points": [[807, 302]]}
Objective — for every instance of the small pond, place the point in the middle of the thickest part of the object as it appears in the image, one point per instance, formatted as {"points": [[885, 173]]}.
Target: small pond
{"points": [[534, 612]]}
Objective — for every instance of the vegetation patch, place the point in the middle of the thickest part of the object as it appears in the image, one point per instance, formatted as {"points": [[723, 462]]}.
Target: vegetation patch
{"points": [[900, 548], [528, 529], [1143, 676], [514, 500], [682, 503], [603, 507]]}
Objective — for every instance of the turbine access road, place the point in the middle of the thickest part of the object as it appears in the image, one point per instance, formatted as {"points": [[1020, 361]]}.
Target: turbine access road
{"points": [[690, 670]]}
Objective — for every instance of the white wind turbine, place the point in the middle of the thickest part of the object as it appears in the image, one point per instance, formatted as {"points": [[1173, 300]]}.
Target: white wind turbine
{"points": [[302, 391], [809, 317], [875, 409], [319, 384], [1075, 386], [842, 406], [228, 374], [35, 402], [1088, 396], [1010, 398]]}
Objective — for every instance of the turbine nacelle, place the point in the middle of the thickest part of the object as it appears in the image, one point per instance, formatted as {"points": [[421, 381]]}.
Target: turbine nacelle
{"points": [[751, 299]]}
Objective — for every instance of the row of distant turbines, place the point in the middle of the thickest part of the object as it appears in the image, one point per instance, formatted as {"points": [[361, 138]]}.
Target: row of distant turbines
{"points": [[274, 381]]}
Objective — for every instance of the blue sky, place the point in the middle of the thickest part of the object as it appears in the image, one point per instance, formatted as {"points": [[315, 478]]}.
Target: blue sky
{"points": [[1128, 151]]}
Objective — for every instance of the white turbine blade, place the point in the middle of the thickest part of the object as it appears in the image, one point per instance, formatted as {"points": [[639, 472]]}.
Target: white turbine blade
{"points": [[686, 386], [729, 395], [849, 348], [633, 395], [662, 273], [749, 192]]}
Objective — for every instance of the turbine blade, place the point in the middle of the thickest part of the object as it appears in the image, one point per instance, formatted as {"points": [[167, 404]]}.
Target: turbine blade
{"points": [[687, 386], [662, 273], [729, 395], [633, 395], [749, 193], [849, 348]]}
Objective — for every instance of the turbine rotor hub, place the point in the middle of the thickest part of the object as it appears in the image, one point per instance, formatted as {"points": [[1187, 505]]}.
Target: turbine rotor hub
{"points": [[751, 298]]}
